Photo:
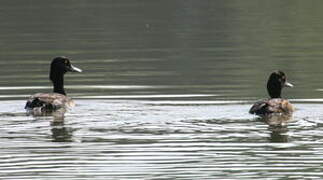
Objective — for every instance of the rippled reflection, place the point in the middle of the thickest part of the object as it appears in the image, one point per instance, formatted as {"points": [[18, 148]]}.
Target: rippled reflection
{"points": [[166, 139], [278, 134], [60, 133]]}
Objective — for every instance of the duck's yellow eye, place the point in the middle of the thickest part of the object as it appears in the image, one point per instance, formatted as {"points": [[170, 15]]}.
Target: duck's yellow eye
{"points": [[65, 61]]}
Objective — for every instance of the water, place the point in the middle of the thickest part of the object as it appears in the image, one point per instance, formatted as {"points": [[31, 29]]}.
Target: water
{"points": [[165, 91]]}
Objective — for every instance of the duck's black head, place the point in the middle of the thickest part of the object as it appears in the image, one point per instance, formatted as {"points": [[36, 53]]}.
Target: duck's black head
{"points": [[59, 66], [277, 80]]}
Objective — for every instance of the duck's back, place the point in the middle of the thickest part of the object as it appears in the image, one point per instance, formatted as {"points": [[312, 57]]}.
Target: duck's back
{"points": [[48, 102], [269, 106]]}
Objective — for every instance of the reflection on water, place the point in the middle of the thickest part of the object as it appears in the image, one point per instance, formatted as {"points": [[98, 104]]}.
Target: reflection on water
{"points": [[278, 134], [165, 92], [60, 133], [140, 139], [278, 126]]}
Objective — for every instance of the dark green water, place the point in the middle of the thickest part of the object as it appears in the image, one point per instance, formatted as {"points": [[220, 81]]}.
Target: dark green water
{"points": [[165, 91]]}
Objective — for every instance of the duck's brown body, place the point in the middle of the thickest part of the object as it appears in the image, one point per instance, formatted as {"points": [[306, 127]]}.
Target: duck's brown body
{"points": [[45, 103], [269, 106]]}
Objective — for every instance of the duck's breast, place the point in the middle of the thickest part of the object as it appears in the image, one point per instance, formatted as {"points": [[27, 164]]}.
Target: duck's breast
{"points": [[278, 105]]}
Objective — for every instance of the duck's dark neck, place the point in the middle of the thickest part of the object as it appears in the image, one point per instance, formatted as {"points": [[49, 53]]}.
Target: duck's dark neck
{"points": [[274, 89], [275, 95], [58, 83]]}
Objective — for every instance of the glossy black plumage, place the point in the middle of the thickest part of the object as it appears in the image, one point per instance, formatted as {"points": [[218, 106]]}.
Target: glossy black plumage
{"points": [[275, 104], [46, 103]]}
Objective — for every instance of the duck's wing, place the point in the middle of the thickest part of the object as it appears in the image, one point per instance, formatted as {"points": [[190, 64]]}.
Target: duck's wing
{"points": [[49, 102], [260, 107]]}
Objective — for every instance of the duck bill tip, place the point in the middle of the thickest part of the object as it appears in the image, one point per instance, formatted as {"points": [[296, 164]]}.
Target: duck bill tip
{"points": [[75, 69], [287, 84]]}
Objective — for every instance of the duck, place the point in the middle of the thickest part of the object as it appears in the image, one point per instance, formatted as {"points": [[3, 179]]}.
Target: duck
{"points": [[47, 103], [275, 105]]}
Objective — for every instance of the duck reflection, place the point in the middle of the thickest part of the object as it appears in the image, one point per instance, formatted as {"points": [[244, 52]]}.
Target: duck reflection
{"points": [[278, 134], [278, 126], [60, 133]]}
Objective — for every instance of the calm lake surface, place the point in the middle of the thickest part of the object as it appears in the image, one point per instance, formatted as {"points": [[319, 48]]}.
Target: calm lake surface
{"points": [[165, 91]]}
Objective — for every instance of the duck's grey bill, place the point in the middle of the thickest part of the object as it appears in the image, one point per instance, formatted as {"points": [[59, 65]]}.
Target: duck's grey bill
{"points": [[75, 69], [287, 84]]}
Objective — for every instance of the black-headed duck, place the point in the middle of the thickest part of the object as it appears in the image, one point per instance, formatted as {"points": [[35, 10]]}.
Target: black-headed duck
{"points": [[276, 104], [45, 103]]}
